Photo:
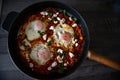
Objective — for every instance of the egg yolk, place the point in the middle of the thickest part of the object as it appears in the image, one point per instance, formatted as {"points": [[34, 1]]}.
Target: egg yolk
{"points": [[39, 26], [66, 36], [44, 54]]}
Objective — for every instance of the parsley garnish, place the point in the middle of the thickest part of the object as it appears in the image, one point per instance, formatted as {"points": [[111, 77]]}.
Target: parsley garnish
{"points": [[61, 69], [49, 14], [60, 10], [23, 43], [49, 43], [29, 50], [64, 11], [55, 18], [41, 33]]}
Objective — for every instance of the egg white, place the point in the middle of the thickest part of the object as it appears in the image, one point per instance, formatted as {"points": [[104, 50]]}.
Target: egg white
{"points": [[32, 30], [34, 54], [59, 30]]}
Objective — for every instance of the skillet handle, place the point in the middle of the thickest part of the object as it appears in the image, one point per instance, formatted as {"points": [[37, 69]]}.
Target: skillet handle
{"points": [[8, 20], [103, 60]]}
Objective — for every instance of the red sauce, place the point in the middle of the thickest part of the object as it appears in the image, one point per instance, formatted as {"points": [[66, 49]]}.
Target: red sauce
{"points": [[67, 60]]}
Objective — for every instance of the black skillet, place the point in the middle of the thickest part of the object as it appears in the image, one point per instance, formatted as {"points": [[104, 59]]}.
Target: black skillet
{"points": [[16, 24]]}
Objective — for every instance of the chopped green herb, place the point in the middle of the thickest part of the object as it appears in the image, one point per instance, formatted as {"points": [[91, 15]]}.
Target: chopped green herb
{"points": [[23, 43], [29, 50], [60, 10], [55, 18], [49, 14], [64, 55], [75, 34], [58, 52], [41, 33], [64, 11], [49, 43], [61, 69]]}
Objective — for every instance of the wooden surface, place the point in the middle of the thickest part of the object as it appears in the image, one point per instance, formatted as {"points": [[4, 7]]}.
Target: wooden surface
{"points": [[103, 21]]}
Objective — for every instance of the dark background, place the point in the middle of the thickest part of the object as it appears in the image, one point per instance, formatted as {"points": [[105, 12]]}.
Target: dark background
{"points": [[103, 20]]}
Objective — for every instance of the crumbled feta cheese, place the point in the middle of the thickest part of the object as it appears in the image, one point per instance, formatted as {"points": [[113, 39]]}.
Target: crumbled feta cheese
{"points": [[76, 40], [22, 47], [44, 13], [27, 43], [60, 51], [76, 44], [54, 64], [65, 64], [49, 68], [51, 28], [60, 60], [55, 22], [74, 25], [62, 20], [57, 13], [44, 36], [31, 65], [71, 55], [49, 19], [54, 15], [58, 18], [70, 18]]}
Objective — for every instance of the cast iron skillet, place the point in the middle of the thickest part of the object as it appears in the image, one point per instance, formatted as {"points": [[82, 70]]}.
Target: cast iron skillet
{"points": [[12, 38], [16, 24]]}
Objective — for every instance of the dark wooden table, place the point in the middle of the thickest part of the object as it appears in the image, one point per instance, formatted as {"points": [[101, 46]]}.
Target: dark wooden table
{"points": [[103, 20]]}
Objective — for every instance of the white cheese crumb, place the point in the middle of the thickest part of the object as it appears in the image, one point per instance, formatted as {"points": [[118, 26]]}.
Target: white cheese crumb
{"points": [[55, 22], [60, 60], [44, 36], [31, 65], [76, 40], [54, 64], [74, 25], [58, 18], [76, 44], [49, 19], [51, 28], [22, 47], [70, 18], [65, 64], [49, 68], [57, 13], [60, 50], [44, 13], [71, 55], [62, 20], [54, 15]]}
